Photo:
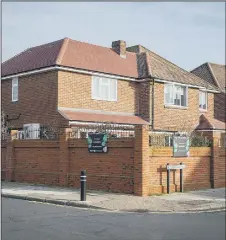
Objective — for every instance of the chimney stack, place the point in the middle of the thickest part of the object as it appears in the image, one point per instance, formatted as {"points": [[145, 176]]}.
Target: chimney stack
{"points": [[119, 47]]}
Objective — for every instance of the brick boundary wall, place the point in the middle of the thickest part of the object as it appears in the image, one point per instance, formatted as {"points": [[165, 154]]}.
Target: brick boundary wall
{"points": [[196, 173], [130, 166]]}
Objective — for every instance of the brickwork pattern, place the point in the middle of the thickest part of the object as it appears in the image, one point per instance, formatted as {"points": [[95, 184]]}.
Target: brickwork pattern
{"points": [[196, 173], [219, 106], [130, 166], [110, 172], [179, 118], [37, 100], [219, 155], [75, 91]]}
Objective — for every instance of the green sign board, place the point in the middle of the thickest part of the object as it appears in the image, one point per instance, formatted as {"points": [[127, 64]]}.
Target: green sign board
{"points": [[180, 146], [97, 142]]}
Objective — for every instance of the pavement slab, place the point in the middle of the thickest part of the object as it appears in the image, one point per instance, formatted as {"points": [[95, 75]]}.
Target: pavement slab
{"points": [[204, 200]]}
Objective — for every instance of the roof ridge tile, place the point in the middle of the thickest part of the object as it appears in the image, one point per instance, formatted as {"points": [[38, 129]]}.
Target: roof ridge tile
{"points": [[62, 51]]}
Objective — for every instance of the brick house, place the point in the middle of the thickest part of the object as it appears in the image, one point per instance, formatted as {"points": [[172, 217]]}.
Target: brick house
{"points": [[67, 82], [216, 75]]}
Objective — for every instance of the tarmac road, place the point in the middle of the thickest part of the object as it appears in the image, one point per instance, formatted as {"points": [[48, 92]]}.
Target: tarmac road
{"points": [[24, 220]]}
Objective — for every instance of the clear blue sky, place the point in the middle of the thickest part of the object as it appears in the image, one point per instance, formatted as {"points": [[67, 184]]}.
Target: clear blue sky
{"points": [[187, 34]]}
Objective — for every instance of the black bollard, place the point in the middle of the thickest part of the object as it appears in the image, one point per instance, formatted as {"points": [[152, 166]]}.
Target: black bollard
{"points": [[83, 185], [168, 179], [181, 179]]}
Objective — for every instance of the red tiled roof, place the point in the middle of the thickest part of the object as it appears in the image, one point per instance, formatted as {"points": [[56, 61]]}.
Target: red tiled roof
{"points": [[100, 117], [75, 54], [33, 58], [101, 59], [160, 68], [212, 73], [211, 124]]}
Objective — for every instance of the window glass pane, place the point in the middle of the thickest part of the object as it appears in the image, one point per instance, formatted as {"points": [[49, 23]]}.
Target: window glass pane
{"points": [[168, 94], [177, 93], [14, 89], [104, 92], [203, 100], [104, 88], [183, 96], [105, 81], [113, 90], [95, 87]]}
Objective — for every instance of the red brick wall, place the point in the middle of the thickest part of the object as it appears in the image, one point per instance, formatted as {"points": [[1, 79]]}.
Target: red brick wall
{"points": [[3, 159], [219, 177], [110, 172], [219, 153], [37, 100], [130, 166], [36, 161], [219, 106], [75, 91], [196, 173], [174, 118]]}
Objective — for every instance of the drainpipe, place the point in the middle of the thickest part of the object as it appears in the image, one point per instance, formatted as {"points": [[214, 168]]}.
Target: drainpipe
{"points": [[152, 108]]}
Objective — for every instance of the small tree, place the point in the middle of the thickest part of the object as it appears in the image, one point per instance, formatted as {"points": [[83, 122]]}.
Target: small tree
{"points": [[4, 125]]}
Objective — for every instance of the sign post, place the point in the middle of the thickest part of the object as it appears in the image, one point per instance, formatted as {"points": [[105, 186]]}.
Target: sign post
{"points": [[168, 178], [97, 142], [181, 179], [174, 167]]}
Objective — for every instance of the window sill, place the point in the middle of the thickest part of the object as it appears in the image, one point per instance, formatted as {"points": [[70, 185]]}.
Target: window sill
{"points": [[175, 107], [15, 101], [202, 110], [99, 99]]}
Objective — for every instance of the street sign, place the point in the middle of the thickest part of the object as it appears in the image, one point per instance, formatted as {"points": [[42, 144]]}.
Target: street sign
{"points": [[172, 167], [180, 146], [97, 142]]}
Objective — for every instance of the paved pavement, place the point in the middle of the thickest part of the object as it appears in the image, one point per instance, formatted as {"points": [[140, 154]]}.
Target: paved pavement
{"points": [[24, 220], [212, 199]]}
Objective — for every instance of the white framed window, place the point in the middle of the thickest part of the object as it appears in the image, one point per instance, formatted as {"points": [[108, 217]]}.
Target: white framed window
{"points": [[104, 88], [175, 95], [202, 100], [15, 89]]}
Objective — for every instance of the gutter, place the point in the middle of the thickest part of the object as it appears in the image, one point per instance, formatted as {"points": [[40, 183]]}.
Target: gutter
{"points": [[182, 84], [153, 104], [52, 68], [94, 73]]}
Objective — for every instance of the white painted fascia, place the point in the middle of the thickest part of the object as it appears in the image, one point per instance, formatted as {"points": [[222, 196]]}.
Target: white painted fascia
{"points": [[186, 85], [210, 130], [95, 111], [98, 123], [69, 70]]}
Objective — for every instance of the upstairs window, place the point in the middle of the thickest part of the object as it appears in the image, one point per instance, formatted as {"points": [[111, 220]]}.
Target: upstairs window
{"points": [[104, 88], [202, 100], [175, 95], [15, 89]]}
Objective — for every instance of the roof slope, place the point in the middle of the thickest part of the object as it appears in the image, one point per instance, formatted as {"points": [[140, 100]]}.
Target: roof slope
{"points": [[71, 53], [140, 62], [101, 117], [212, 73], [161, 68], [219, 72], [33, 58], [210, 124]]}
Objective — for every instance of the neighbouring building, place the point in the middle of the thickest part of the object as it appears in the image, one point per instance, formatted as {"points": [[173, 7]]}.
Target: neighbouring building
{"points": [[216, 75], [67, 82]]}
